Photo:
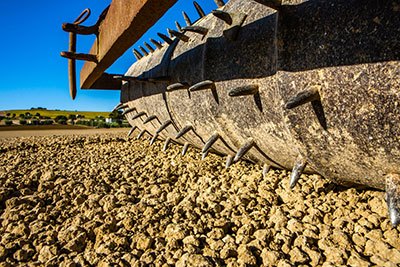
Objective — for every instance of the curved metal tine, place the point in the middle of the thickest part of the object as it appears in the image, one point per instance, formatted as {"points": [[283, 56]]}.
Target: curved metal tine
{"points": [[243, 150], [229, 161], [156, 43], [186, 18], [167, 142], [297, 171], [183, 131], [185, 148], [131, 131], [199, 10], [213, 138]]}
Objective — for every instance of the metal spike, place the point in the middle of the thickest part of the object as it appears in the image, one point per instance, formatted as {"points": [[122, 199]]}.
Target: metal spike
{"points": [[297, 170], [210, 142], [119, 106], [187, 19], [163, 126], [177, 86], [244, 90], [131, 131], [153, 139], [149, 119], [126, 111], [79, 56], [265, 170], [184, 130], [178, 26], [303, 97], [232, 32], [123, 106], [394, 211], [137, 54], [243, 150], [156, 43], [79, 29], [199, 10], [140, 114], [196, 29], [143, 50], [170, 34], [202, 85], [148, 46], [229, 161], [219, 3], [204, 155], [140, 134], [125, 78], [179, 35], [185, 148], [167, 141], [225, 16], [165, 38], [393, 198]]}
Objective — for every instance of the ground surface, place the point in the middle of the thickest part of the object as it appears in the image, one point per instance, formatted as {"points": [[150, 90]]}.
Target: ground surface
{"points": [[103, 199], [31, 129]]}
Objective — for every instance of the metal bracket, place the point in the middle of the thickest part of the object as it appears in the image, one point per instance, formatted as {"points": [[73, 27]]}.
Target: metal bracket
{"points": [[74, 29]]}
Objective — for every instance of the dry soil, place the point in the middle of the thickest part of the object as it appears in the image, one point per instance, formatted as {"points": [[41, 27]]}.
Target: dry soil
{"points": [[107, 200]]}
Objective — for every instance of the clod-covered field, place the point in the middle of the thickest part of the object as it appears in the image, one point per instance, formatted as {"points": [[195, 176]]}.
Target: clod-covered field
{"points": [[107, 200]]}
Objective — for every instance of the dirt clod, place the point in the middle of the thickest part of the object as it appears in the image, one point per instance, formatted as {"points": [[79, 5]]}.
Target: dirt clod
{"points": [[106, 200]]}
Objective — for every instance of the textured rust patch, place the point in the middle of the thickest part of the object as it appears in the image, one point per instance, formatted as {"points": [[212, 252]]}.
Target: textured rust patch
{"points": [[346, 128], [125, 23]]}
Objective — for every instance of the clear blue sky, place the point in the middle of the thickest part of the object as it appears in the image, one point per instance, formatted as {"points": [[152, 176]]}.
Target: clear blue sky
{"points": [[33, 74]]}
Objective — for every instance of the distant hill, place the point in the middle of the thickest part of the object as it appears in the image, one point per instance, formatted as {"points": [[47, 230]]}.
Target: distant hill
{"points": [[54, 113]]}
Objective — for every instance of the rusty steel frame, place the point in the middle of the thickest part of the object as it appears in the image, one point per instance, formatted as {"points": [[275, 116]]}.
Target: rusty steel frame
{"points": [[125, 23]]}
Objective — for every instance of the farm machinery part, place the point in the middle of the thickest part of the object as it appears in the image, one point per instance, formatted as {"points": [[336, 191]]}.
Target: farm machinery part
{"points": [[308, 86]]}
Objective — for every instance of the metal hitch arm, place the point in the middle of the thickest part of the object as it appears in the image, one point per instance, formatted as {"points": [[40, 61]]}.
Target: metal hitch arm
{"points": [[71, 55], [74, 29]]}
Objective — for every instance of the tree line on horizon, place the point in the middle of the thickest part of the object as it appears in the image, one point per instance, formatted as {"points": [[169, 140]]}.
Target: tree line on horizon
{"points": [[117, 120]]}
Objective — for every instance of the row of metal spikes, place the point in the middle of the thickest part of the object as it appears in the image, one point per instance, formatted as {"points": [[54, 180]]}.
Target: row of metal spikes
{"points": [[297, 170], [178, 34], [250, 89], [310, 94]]}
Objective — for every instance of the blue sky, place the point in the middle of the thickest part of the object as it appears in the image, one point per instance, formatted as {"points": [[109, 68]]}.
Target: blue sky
{"points": [[33, 74]]}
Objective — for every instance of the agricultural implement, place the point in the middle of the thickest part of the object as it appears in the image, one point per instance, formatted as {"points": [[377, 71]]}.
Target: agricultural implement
{"points": [[308, 86]]}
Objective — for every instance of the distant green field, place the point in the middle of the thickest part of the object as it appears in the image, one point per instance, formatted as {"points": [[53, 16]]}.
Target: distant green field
{"points": [[54, 113]]}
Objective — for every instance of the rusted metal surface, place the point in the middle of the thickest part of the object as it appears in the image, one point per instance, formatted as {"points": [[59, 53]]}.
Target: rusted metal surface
{"points": [[307, 86], [78, 56], [288, 86], [125, 23], [74, 29], [72, 48], [358, 86]]}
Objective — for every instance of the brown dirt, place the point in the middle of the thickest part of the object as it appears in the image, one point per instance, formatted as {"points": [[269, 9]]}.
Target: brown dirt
{"points": [[104, 200]]}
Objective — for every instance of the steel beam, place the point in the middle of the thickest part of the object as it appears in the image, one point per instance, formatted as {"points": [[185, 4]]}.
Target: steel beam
{"points": [[125, 23]]}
